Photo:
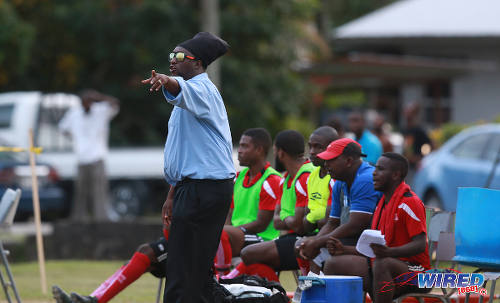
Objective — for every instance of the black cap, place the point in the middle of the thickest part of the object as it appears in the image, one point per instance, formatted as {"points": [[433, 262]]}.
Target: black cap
{"points": [[206, 47]]}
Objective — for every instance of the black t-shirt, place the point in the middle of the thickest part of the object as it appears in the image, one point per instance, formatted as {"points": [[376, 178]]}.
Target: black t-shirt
{"points": [[419, 138]]}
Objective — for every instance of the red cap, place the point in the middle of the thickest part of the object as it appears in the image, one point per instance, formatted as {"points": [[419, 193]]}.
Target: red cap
{"points": [[336, 148]]}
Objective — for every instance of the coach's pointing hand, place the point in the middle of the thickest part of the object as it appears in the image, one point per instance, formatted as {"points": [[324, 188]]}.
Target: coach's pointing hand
{"points": [[156, 80]]}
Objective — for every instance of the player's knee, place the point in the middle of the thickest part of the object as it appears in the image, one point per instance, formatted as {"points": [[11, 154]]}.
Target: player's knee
{"points": [[143, 248], [381, 265], [148, 251], [249, 253], [331, 266], [245, 255]]}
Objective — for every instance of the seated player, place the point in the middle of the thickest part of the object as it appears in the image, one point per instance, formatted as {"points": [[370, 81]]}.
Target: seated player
{"points": [[256, 190], [320, 183], [265, 258], [353, 199], [400, 216]]}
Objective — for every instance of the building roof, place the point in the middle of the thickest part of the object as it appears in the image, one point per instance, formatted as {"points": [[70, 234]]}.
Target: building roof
{"points": [[427, 18]]}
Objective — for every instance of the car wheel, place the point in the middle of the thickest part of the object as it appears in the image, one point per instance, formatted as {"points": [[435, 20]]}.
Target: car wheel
{"points": [[126, 198], [432, 200]]}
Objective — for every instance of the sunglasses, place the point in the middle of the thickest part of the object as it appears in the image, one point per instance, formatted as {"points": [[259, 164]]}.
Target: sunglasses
{"points": [[180, 56]]}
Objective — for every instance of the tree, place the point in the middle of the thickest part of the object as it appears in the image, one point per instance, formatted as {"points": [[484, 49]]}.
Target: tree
{"points": [[16, 39], [259, 85], [112, 45]]}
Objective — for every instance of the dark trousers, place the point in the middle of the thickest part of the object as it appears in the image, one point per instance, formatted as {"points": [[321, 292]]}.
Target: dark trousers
{"points": [[199, 212]]}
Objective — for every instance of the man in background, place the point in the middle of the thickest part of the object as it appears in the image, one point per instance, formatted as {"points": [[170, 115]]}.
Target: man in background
{"points": [[88, 125], [371, 145], [416, 143]]}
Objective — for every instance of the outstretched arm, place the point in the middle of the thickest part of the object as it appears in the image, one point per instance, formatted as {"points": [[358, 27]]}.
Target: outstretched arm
{"points": [[96, 96], [158, 80]]}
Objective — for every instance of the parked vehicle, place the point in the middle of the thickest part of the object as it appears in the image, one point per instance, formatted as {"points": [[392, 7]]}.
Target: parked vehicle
{"points": [[135, 174], [466, 160], [15, 172]]}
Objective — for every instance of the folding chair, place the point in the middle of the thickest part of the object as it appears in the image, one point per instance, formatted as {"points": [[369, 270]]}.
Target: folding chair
{"points": [[8, 207], [476, 236], [440, 227]]}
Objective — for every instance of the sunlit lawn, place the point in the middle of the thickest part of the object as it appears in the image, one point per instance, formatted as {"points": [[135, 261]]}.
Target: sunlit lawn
{"points": [[84, 276], [79, 276]]}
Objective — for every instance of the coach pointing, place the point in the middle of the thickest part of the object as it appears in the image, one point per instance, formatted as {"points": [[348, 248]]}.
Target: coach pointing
{"points": [[198, 165]]}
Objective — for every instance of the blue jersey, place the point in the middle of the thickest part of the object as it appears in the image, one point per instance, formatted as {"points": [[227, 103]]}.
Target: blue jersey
{"points": [[361, 197], [371, 146]]}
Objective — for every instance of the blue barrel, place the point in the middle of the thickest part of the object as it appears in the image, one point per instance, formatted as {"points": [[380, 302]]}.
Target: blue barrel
{"points": [[333, 289]]}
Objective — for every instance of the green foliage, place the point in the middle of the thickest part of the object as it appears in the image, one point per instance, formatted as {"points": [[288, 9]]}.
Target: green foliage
{"points": [[16, 39], [112, 45], [451, 129], [442, 134], [258, 85], [337, 100]]}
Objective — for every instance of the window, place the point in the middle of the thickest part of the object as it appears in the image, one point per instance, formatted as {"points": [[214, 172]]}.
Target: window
{"points": [[493, 148], [437, 103], [6, 114], [472, 147]]}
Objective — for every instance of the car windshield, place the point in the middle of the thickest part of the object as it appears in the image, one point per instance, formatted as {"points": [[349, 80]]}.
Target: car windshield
{"points": [[10, 156]]}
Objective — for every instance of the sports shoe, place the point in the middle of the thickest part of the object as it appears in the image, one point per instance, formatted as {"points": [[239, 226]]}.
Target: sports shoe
{"points": [[76, 298], [60, 295]]}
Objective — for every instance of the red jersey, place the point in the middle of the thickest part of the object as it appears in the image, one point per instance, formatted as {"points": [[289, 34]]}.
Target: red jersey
{"points": [[300, 188], [402, 219]]}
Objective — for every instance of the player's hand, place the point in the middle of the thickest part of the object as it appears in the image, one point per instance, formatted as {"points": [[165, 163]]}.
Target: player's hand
{"points": [[298, 246], [166, 212], [381, 251], [334, 246], [156, 80], [309, 249]]}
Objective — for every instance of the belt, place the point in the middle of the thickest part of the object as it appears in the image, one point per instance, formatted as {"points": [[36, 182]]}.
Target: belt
{"points": [[216, 181]]}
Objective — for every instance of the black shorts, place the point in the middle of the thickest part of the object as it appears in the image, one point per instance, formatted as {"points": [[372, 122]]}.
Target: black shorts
{"points": [[158, 269], [408, 280], [286, 251]]}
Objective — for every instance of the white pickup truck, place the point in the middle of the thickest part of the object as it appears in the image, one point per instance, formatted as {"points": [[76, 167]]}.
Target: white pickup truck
{"points": [[135, 174]]}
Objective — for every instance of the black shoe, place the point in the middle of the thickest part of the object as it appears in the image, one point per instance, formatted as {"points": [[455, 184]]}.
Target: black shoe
{"points": [[76, 298], [60, 295]]}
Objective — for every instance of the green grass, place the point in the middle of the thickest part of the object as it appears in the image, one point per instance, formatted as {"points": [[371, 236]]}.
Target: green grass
{"points": [[84, 276], [79, 276]]}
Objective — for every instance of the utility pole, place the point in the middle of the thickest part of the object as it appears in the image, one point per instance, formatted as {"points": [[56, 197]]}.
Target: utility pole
{"points": [[210, 23]]}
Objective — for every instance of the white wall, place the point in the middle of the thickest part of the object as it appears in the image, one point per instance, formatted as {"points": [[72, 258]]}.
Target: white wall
{"points": [[475, 97]]}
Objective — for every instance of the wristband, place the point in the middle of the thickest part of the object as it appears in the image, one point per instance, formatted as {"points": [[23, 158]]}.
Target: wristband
{"points": [[244, 230]]}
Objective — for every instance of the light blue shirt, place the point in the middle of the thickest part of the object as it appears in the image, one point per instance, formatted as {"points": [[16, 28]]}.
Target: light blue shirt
{"points": [[199, 144], [370, 146]]}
